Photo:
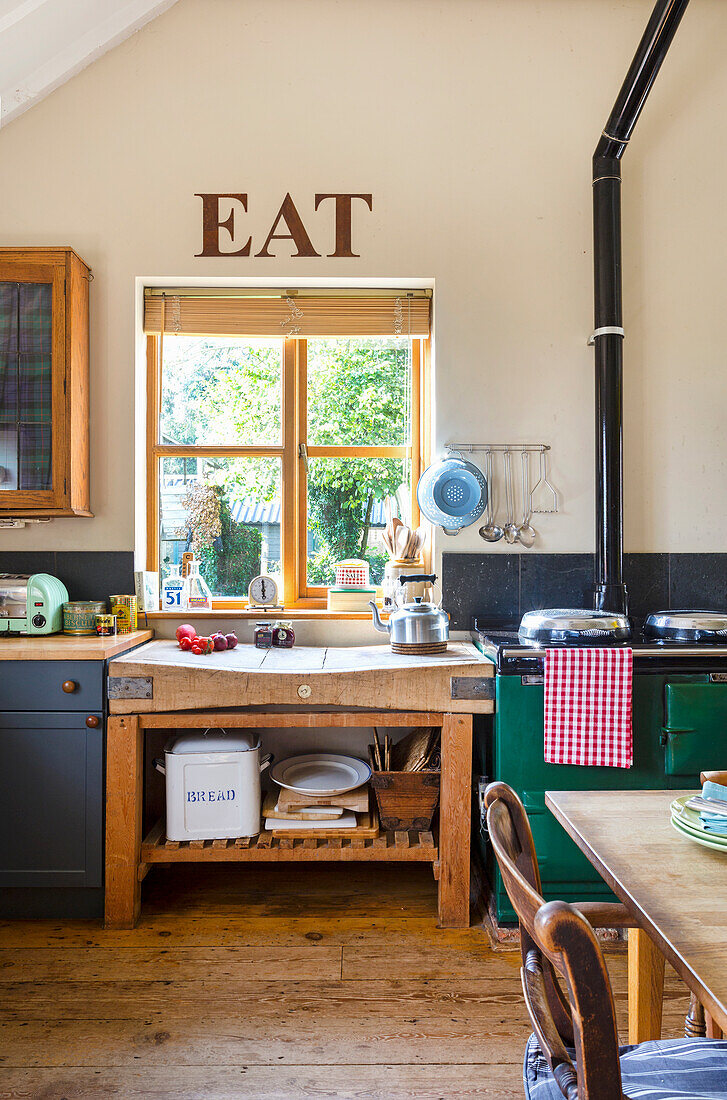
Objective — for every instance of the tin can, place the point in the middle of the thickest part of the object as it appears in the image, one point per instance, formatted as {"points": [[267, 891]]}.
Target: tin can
{"points": [[79, 616], [105, 625], [124, 608]]}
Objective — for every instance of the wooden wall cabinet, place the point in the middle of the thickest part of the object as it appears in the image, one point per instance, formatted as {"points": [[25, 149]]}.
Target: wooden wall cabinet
{"points": [[43, 383]]}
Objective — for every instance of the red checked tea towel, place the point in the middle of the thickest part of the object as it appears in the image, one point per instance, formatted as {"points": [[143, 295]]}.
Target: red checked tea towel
{"points": [[588, 706]]}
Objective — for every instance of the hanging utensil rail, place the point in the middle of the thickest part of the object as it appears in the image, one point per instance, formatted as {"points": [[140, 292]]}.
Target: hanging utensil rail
{"points": [[513, 447]]}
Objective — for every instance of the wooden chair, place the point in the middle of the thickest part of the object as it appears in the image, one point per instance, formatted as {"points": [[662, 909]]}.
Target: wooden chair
{"points": [[574, 1051]]}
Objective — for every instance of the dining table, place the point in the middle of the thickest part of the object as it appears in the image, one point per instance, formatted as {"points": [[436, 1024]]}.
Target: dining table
{"points": [[675, 889]]}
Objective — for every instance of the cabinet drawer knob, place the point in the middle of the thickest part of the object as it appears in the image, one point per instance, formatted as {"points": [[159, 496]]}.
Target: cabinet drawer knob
{"points": [[69, 686], [93, 721]]}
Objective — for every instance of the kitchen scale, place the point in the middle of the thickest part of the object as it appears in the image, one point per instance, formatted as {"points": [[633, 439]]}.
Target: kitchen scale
{"points": [[262, 594]]}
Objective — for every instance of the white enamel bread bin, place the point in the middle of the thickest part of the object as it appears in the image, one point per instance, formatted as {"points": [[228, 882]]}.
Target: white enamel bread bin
{"points": [[213, 785]]}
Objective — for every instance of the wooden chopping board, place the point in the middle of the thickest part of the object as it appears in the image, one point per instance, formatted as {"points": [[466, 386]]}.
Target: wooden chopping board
{"points": [[270, 803], [357, 800], [367, 829]]}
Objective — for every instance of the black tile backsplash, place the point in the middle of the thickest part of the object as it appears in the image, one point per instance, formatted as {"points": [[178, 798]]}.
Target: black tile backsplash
{"points": [[38, 561], [485, 584], [499, 587], [555, 580], [502, 587], [647, 581], [698, 581], [87, 574]]}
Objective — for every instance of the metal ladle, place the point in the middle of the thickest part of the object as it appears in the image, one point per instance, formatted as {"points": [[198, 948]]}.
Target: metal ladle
{"points": [[525, 533], [510, 531], [491, 531]]}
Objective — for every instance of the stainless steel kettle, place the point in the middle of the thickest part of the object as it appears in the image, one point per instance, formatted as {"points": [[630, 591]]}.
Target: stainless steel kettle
{"points": [[416, 623]]}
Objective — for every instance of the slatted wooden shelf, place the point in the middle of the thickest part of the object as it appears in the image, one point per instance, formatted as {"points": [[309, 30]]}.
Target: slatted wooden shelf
{"points": [[129, 856], [403, 846]]}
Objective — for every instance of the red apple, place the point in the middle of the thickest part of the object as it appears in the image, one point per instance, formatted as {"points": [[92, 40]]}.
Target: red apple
{"points": [[185, 631]]}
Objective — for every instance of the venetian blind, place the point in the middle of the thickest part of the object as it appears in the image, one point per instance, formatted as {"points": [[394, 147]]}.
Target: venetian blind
{"points": [[311, 314]]}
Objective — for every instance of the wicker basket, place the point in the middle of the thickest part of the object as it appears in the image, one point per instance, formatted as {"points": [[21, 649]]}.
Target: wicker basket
{"points": [[407, 800]]}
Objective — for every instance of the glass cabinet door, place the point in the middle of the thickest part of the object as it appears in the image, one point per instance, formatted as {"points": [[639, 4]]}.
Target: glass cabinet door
{"points": [[31, 386]]}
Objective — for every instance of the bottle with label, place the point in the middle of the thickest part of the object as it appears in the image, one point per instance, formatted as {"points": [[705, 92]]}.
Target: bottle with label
{"points": [[196, 590], [173, 591]]}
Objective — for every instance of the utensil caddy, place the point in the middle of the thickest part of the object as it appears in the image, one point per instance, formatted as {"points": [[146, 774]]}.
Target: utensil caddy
{"points": [[406, 800]]}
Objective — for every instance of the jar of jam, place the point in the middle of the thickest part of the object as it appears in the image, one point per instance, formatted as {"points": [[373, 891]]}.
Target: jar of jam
{"points": [[263, 635], [283, 634]]}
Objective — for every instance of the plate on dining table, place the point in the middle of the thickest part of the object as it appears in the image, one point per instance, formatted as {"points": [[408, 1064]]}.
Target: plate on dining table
{"points": [[707, 840], [692, 819], [695, 830], [321, 773]]}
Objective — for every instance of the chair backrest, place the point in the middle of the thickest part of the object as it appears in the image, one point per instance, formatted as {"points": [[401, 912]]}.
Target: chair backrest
{"points": [[557, 944]]}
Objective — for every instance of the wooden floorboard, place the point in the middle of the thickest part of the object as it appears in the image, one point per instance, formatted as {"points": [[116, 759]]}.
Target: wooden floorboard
{"points": [[262, 982], [314, 1082]]}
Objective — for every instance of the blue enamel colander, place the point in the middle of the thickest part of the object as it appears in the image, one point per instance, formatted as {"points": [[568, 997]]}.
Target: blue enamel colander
{"points": [[452, 493]]}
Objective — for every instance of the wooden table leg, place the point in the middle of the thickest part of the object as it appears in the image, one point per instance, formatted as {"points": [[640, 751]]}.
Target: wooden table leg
{"points": [[455, 821], [124, 802], [646, 987], [714, 1031]]}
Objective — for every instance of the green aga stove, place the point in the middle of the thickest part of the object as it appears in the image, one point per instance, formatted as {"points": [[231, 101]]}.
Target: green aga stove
{"points": [[680, 661], [679, 725]]}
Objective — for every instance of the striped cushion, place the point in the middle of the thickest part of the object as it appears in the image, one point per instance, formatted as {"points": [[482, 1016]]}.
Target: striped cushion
{"points": [[670, 1069]]}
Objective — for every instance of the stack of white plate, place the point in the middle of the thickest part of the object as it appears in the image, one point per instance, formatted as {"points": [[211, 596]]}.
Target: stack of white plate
{"points": [[689, 823]]}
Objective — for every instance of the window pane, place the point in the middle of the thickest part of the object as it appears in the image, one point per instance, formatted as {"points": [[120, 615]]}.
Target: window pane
{"points": [[359, 392], [346, 511], [26, 385], [227, 511], [221, 390]]}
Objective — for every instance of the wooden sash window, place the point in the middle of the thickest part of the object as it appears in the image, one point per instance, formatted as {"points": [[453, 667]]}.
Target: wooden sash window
{"points": [[272, 450]]}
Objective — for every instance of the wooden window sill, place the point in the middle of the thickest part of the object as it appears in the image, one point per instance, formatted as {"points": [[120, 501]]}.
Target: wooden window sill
{"points": [[244, 613]]}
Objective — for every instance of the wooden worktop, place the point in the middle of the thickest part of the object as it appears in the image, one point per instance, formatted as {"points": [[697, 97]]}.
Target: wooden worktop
{"points": [[350, 676], [62, 647]]}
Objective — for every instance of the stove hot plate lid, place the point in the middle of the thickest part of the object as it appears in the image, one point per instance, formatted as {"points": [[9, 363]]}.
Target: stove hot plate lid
{"points": [[572, 626], [689, 627]]}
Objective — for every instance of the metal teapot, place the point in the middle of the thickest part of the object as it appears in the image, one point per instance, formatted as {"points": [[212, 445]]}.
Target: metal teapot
{"points": [[416, 623]]}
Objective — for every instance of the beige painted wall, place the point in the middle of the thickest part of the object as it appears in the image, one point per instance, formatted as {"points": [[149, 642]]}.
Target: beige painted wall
{"points": [[472, 122]]}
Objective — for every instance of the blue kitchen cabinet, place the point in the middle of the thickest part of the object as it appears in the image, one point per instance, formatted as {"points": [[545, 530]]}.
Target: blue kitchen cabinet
{"points": [[51, 788]]}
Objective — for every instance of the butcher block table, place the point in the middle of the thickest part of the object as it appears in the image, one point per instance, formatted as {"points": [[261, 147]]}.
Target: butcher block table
{"points": [[160, 687]]}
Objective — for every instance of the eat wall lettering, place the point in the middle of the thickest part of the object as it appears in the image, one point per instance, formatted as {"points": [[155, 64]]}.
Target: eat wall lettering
{"points": [[287, 225]]}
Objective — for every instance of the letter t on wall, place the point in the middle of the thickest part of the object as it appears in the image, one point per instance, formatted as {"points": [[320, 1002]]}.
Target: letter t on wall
{"points": [[343, 221]]}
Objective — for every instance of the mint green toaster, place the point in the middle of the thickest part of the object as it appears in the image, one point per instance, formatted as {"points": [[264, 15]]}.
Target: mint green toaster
{"points": [[31, 603]]}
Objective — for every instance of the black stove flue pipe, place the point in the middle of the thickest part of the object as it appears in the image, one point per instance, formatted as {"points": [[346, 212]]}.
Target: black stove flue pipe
{"points": [[609, 590]]}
